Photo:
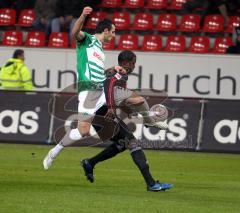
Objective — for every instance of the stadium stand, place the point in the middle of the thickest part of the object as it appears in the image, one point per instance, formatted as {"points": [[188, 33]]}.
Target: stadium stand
{"points": [[133, 4], [213, 24], [94, 18], [26, 18], [190, 23], [175, 44], [143, 22], [111, 3], [151, 43], [141, 25], [234, 21], [35, 39], [7, 17], [128, 42], [157, 4], [12, 38], [121, 20], [221, 44], [167, 22], [199, 44], [58, 40]]}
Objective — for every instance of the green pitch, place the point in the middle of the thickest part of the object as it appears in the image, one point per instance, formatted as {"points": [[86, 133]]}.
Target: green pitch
{"points": [[202, 182]]}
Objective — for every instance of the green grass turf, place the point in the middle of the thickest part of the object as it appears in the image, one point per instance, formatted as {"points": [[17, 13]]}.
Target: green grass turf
{"points": [[203, 182]]}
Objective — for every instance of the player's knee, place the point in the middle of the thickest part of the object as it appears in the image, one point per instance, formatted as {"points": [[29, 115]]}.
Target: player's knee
{"points": [[139, 100], [75, 134], [121, 145], [133, 145], [135, 100], [84, 128]]}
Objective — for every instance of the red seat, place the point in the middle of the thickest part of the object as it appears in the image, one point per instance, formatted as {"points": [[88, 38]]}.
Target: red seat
{"points": [[109, 45], [26, 18], [7, 17], [94, 18], [190, 23], [12, 38], [111, 3], [35, 39], [143, 21], [128, 42], [152, 43], [73, 43], [133, 4], [177, 4], [221, 44], [234, 21], [121, 20], [58, 40], [213, 24], [199, 44], [175, 44], [157, 4], [167, 22]]}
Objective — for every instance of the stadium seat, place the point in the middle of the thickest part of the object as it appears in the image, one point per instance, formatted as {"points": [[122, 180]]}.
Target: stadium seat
{"points": [[190, 23], [199, 44], [12, 38], [175, 44], [143, 21], [109, 45], [73, 43], [221, 44], [35, 39], [176, 4], [26, 18], [121, 20], [152, 43], [58, 40], [128, 42], [213, 24], [167, 22], [94, 18], [111, 4], [7, 17], [133, 4], [234, 21], [157, 4]]}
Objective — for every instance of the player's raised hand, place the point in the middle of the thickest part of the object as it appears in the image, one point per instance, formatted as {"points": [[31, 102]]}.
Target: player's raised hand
{"points": [[120, 69], [86, 11]]}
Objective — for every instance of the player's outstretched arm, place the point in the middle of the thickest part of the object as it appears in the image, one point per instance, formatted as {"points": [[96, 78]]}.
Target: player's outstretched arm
{"points": [[76, 30]]}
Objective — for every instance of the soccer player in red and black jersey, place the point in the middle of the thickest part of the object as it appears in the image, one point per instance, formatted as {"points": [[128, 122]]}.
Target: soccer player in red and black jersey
{"points": [[123, 138]]}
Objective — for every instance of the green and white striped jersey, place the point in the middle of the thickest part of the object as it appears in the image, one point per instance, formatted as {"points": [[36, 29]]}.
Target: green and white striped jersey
{"points": [[90, 63]]}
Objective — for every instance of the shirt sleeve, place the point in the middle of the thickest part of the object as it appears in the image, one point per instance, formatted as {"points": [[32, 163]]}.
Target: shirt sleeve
{"points": [[109, 85]]}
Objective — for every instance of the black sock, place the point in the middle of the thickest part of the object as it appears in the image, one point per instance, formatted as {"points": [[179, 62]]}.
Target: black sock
{"points": [[140, 160], [107, 153]]}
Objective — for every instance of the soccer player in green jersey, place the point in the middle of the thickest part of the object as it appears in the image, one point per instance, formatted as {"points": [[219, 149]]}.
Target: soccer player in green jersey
{"points": [[91, 75]]}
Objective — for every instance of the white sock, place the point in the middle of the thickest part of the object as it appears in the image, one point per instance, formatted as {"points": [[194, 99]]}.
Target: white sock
{"points": [[56, 150]]}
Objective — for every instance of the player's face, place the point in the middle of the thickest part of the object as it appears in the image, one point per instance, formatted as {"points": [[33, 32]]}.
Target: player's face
{"points": [[109, 34], [129, 65]]}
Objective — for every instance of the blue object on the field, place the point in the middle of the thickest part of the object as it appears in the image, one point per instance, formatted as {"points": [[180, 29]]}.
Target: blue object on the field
{"points": [[160, 187]]}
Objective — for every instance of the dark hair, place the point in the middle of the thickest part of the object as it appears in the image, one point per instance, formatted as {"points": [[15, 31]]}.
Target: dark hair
{"points": [[102, 25], [17, 53], [126, 55]]}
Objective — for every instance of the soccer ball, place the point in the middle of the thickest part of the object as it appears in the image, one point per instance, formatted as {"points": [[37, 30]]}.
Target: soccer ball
{"points": [[159, 112]]}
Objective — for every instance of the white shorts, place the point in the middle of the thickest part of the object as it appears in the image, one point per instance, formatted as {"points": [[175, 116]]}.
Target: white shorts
{"points": [[90, 101]]}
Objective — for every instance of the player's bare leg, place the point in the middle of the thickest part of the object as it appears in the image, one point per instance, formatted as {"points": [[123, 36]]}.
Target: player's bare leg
{"points": [[70, 137], [141, 106]]}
